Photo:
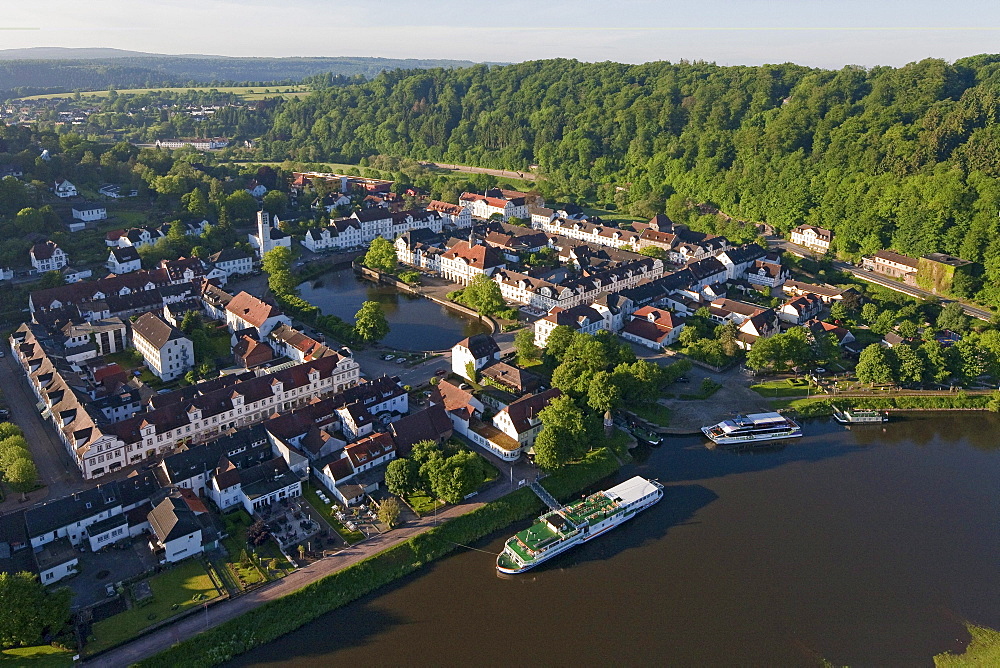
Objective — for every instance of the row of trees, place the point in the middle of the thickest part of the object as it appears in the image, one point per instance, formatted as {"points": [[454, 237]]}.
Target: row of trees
{"points": [[16, 465]]}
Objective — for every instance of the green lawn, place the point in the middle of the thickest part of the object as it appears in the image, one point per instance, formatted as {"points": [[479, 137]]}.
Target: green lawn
{"points": [[127, 359], [983, 650], [218, 342], [42, 656], [423, 504], [246, 574], [791, 387], [609, 216], [174, 591], [656, 413]]}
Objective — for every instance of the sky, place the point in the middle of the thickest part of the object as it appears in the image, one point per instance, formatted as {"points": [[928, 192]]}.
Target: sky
{"points": [[820, 33]]}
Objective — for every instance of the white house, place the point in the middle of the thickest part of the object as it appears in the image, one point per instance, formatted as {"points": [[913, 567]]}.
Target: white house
{"points": [[344, 474], [89, 211], [653, 328], [64, 188], [165, 349], [232, 261], [814, 238], [177, 533], [75, 275], [508, 204], [123, 260], [520, 421], [463, 262], [480, 349], [48, 257], [456, 214], [258, 190], [801, 309], [588, 319]]}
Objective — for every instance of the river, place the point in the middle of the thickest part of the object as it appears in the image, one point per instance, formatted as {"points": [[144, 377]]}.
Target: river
{"points": [[861, 547], [415, 323]]}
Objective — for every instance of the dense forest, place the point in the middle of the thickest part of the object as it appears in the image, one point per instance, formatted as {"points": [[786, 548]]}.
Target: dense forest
{"points": [[903, 158], [31, 76]]}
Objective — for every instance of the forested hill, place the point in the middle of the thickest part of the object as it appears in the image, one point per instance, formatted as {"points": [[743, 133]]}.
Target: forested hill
{"points": [[137, 70], [889, 157]]}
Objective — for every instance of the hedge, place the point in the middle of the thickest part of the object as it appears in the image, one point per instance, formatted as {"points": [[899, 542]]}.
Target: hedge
{"points": [[288, 613]]}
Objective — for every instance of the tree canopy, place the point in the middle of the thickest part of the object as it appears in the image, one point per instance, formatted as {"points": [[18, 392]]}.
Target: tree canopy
{"points": [[370, 323]]}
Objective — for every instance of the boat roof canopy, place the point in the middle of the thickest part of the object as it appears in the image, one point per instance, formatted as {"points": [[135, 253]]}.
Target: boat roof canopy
{"points": [[631, 490]]}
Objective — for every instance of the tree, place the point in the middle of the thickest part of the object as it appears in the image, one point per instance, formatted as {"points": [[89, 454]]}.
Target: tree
{"points": [[28, 220], [907, 329], [935, 363], [8, 429], [388, 512], [257, 533], [191, 321], [654, 252], [241, 206], [455, 477], [196, 203], [402, 477], [603, 395], [483, 294], [22, 475], [381, 255], [909, 365], [763, 353], [953, 318], [524, 344], [564, 433], [559, 339], [369, 323], [274, 202], [30, 611], [51, 279], [874, 366], [838, 311], [870, 312]]}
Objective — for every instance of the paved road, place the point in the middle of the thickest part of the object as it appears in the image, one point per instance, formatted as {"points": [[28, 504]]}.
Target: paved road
{"points": [[223, 612], [55, 468], [871, 277]]}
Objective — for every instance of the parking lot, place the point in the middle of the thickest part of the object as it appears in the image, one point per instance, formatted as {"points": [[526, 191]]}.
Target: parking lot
{"points": [[113, 564]]}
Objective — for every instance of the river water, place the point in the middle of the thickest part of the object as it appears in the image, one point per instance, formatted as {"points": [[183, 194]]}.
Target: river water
{"points": [[415, 323], [862, 547]]}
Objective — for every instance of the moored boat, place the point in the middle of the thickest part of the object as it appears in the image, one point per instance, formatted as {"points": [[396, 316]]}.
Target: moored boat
{"points": [[751, 428], [558, 530], [859, 415]]}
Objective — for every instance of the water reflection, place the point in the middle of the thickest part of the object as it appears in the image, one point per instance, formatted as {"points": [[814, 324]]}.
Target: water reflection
{"points": [[859, 547], [415, 323]]}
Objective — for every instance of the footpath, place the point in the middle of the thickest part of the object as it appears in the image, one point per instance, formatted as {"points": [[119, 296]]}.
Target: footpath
{"points": [[164, 638]]}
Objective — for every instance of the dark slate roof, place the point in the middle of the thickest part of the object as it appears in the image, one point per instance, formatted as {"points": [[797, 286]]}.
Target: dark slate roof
{"points": [[172, 519], [431, 424], [480, 345], [244, 448], [155, 329], [58, 513]]}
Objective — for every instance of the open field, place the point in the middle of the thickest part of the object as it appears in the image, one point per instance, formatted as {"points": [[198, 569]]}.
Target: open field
{"points": [[41, 656], [246, 92], [174, 591]]}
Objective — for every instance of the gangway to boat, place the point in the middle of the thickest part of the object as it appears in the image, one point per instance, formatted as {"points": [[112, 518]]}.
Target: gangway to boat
{"points": [[544, 495]]}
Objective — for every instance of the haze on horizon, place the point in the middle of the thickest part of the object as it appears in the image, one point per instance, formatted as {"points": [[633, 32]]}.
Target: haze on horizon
{"points": [[828, 34]]}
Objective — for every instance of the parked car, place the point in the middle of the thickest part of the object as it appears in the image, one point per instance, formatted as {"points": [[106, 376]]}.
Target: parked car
{"points": [[683, 379], [400, 360], [440, 372], [388, 357]]}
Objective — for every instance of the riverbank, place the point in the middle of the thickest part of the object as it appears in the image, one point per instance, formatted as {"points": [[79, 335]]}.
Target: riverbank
{"points": [[283, 615], [823, 405]]}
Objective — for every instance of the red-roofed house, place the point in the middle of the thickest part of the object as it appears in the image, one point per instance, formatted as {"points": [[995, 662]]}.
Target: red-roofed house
{"points": [[245, 311], [461, 263], [653, 328]]}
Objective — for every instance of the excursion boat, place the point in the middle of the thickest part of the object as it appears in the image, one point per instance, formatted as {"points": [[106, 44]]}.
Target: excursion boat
{"points": [[558, 530], [752, 428], [859, 415]]}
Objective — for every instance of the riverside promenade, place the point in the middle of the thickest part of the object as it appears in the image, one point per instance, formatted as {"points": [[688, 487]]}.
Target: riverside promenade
{"points": [[163, 638]]}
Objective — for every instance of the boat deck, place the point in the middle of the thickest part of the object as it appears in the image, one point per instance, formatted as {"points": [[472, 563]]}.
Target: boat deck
{"points": [[591, 510]]}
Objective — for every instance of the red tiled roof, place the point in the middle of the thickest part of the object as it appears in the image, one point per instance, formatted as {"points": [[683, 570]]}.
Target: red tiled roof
{"points": [[248, 308]]}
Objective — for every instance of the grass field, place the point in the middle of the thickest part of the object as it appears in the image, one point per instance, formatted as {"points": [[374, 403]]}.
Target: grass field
{"points": [[310, 495], [246, 92], [42, 656], [423, 504], [792, 387], [983, 650], [174, 591], [656, 413]]}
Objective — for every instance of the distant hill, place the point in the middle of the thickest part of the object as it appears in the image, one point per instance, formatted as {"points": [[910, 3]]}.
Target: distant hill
{"points": [[52, 69]]}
